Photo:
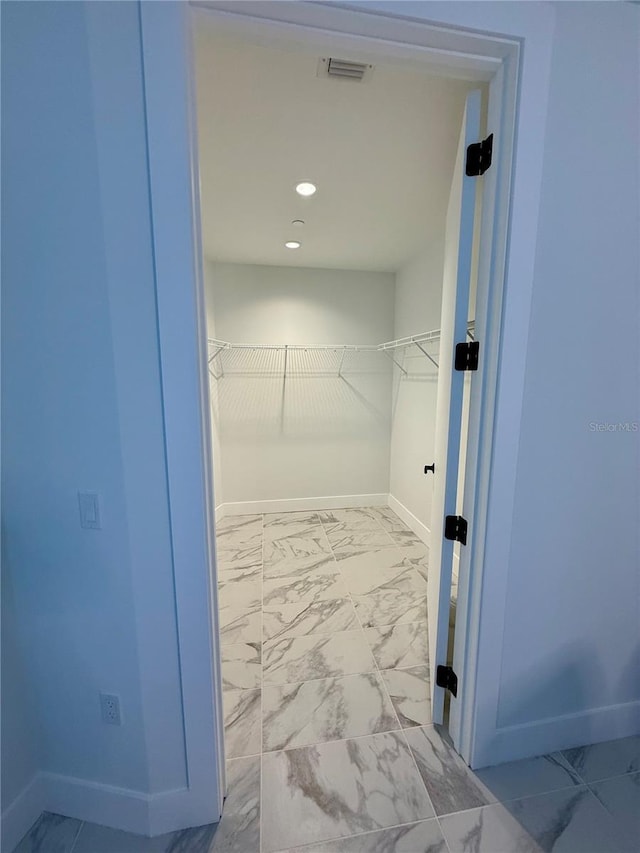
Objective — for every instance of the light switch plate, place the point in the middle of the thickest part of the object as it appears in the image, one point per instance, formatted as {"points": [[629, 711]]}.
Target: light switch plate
{"points": [[89, 504]]}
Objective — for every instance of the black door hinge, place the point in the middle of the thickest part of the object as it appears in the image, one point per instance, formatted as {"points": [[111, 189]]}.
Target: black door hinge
{"points": [[455, 527], [446, 677], [467, 356], [479, 157]]}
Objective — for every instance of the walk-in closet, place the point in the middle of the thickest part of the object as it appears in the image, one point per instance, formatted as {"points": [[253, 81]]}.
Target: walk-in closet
{"points": [[325, 184]]}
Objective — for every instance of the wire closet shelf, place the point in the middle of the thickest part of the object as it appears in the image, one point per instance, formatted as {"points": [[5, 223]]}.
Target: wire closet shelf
{"points": [[309, 359]]}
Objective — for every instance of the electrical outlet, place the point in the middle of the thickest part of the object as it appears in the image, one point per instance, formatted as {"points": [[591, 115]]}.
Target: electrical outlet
{"points": [[110, 706]]}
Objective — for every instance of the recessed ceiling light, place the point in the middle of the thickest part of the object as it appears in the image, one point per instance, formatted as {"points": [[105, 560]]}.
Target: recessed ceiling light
{"points": [[297, 223], [292, 244], [305, 188]]}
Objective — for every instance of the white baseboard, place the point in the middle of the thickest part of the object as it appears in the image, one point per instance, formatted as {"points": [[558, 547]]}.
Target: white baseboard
{"points": [[542, 737], [300, 504], [119, 808], [421, 530], [22, 813]]}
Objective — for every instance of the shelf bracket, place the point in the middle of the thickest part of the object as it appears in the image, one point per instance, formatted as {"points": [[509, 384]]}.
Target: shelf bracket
{"points": [[422, 349], [388, 355]]}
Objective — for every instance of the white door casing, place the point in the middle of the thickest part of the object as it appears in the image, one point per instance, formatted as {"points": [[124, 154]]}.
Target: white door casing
{"points": [[452, 41]]}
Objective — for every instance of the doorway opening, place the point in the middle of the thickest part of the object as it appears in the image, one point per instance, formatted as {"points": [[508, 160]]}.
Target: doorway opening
{"points": [[331, 192], [330, 33]]}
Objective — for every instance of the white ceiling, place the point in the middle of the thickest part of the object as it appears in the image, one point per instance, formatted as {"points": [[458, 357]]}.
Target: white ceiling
{"points": [[381, 153]]}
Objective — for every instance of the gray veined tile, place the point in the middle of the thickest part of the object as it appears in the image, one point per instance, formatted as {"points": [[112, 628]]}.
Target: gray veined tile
{"points": [[326, 616], [239, 545], [491, 829], [241, 665], [239, 625], [621, 798], [398, 646], [400, 532], [527, 777], [324, 710], [422, 837], [280, 520], [241, 588], [242, 722], [381, 571], [391, 607], [338, 789], [356, 518], [293, 530], [567, 821], [308, 586], [236, 558], [295, 540], [239, 827], [199, 839], [102, 839], [422, 568], [405, 538], [416, 554], [603, 760], [304, 658], [410, 692], [244, 526], [346, 543], [452, 786], [310, 557], [388, 518], [51, 833]]}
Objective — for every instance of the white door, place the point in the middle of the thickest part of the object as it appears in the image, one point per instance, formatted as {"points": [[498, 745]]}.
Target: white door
{"points": [[453, 330]]}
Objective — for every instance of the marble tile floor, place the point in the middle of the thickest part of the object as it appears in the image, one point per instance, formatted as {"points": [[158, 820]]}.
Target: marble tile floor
{"points": [[328, 729], [323, 615], [376, 794]]}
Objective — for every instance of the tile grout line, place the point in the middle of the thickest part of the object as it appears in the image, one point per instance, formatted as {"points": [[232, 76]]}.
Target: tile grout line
{"points": [[333, 740], [435, 813], [340, 838], [347, 675], [404, 736], [399, 730], [377, 668], [515, 799], [610, 778], [381, 680], [377, 521]]}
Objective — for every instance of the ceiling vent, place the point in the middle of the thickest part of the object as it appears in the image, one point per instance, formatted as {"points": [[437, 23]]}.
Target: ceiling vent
{"points": [[344, 69]]}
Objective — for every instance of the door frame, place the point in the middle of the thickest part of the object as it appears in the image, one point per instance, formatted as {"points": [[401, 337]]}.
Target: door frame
{"points": [[455, 41]]}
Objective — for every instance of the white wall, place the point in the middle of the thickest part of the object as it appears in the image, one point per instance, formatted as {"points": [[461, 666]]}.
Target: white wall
{"points": [[315, 434], [417, 309], [572, 629], [20, 739], [90, 610]]}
